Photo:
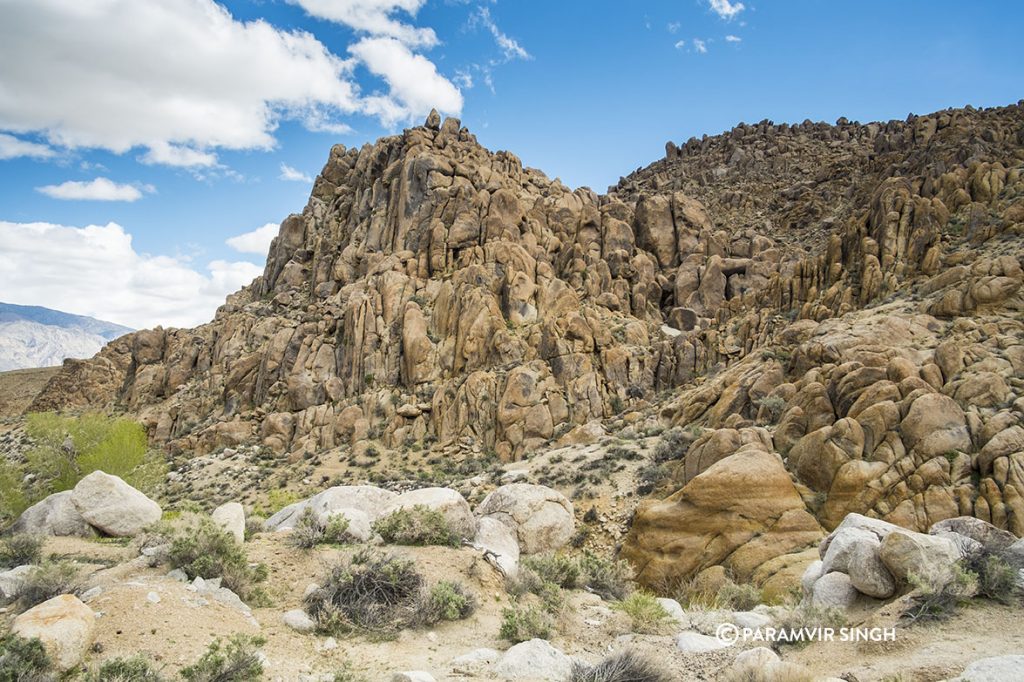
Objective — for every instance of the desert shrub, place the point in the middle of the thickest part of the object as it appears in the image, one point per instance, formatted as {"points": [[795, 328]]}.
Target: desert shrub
{"points": [[237, 660], [781, 670], [446, 600], [133, 669], [416, 525], [205, 550], [672, 445], [738, 597], [13, 499], [20, 549], [373, 592], [626, 666], [346, 673], [806, 617], [558, 569], [24, 660], [312, 530], [931, 601], [68, 448], [48, 580], [997, 579], [774, 406], [253, 525], [646, 615], [522, 622], [608, 578]]}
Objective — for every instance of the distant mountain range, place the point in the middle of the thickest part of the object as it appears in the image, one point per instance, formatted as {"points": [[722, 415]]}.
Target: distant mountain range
{"points": [[32, 336]]}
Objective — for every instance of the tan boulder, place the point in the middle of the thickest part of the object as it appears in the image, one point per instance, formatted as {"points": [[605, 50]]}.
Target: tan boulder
{"points": [[64, 625]]}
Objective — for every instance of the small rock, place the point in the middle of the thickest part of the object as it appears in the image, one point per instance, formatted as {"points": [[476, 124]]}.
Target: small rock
{"points": [[178, 574], [673, 609], [751, 619], [413, 676], [535, 659], [299, 620], [694, 642], [231, 518], [993, 669], [153, 598], [12, 583], [834, 590]]}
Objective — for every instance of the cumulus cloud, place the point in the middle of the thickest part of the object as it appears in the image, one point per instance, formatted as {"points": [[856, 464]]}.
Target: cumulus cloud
{"points": [[179, 77], [293, 174], [176, 155], [95, 270], [373, 17], [256, 241], [11, 148], [100, 189], [510, 48], [700, 46], [725, 9], [415, 86], [680, 44], [733, 39]]}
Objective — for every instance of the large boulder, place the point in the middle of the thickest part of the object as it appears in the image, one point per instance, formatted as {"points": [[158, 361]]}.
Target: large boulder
{"points": [[535, 659], [930, 557], [231, 518], [541, 518], [112, 506], [499, 541], [368, 499], [742, 512], [54, 515], [854, 551], [64, 625], [982, 532], [449, 502], [935, 425], [833, 590], [877, 527], [993, 669]]}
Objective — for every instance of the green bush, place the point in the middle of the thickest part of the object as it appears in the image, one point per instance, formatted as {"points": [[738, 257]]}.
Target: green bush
{"points": [[647, 616], [20, 549], [446, 600], [938, 601], [347, 674], [24, 660], [13, 499], [373, 592], [207, 551], [997, 579], [608, 578], [416, 525], [807, 617], [627, 666], [237, 660], [738, 597], [311, 530], [559, 569], [133, 669], [48, 580], [520, 623], [68, 448]]}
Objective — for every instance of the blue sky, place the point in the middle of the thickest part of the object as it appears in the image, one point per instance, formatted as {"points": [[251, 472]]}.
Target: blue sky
{"points": [[121, 103]]}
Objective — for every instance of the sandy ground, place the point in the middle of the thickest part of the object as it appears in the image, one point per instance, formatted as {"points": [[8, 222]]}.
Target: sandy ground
{"points": [[143, 611]]}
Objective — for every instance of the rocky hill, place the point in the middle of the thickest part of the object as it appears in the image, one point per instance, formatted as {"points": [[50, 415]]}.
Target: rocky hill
{"points": [[31, 336], [828, 318]]}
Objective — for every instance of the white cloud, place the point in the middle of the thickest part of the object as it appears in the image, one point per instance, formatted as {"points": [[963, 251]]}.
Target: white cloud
{"points": [[257, 241], [159, 73], [464, 79], [510, 48], [700, 46], [725, 9], [11, 148], [373, 17], [415, 85], [733, 39], [176, 155], [680, 44], [96, 271], [295, 175], [674, 27], [100, 189]]}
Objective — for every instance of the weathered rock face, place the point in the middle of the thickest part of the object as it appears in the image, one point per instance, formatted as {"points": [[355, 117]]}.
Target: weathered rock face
{"points": [[843, 300], [541, 518]]}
